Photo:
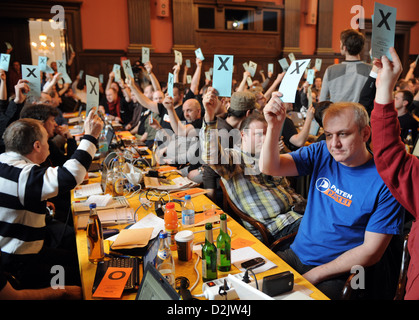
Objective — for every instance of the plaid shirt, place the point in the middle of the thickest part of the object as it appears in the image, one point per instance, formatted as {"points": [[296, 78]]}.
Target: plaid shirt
{"points": [[265, 198]]}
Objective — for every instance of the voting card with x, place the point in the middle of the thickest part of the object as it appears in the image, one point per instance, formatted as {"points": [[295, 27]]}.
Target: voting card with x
{"points": [[33, 75], [170, 80], [4, 61], [178, 57], [61, 68], [284, 64], [145, 54], [42, 64], [92, 93], [383, 30], [126, 65], [223, 74], [289, 84], [117, 71], [199, 55]]}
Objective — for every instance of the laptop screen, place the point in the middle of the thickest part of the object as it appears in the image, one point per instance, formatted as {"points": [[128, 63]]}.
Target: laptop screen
{"points": [[155, 287], [151, 254], [109, 136]]}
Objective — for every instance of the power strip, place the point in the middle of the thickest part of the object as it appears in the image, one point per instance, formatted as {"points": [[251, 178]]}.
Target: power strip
{"points": [[211, 289]]}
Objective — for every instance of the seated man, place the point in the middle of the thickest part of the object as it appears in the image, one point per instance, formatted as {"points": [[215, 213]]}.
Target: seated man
{"points": [[265, 198], [351, 215], [23, 194], [182, 147], [402, 102]]}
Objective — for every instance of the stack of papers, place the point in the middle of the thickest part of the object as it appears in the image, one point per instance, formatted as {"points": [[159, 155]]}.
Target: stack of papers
{"points": [[109, 217]]}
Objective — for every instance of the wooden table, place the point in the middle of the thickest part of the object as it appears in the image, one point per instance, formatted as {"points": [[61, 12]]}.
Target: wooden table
{"points": [[87, 269]]}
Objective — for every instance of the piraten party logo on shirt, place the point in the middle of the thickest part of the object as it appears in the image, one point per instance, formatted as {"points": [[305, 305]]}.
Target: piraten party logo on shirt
{"points": [[324, 186]]}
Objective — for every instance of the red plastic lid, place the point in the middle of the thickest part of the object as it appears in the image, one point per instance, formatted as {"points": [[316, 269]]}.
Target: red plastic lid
{"points": [[170, 205]]}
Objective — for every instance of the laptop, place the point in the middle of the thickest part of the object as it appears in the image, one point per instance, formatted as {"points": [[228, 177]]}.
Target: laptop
{"points": [[155, 287], [84, 191]]}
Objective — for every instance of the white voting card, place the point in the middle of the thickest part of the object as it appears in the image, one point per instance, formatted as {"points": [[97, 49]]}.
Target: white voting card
{"points": [[383, 30], [33, 75], [289, 84], [223, 74], [271, 67]]}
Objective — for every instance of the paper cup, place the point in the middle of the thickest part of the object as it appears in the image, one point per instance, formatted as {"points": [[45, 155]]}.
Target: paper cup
{"points": [[184, 242]]}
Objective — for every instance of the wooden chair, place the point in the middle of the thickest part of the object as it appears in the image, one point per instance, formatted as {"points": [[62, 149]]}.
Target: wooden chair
{"points": [[267, 237], [401, 285]]}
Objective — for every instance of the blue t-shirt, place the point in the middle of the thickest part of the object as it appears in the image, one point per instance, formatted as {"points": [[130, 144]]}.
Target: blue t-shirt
{"points": [[343, 203]]}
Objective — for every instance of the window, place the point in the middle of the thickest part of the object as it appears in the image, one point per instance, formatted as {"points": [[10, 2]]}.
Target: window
{"points": [[238, 19], [270, 21], [206, 18]]}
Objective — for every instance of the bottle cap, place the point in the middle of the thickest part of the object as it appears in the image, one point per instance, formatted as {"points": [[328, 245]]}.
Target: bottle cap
{"points": [[170, 205], [223, 216], [92, 205], [188, 197], [163, 235], [208, 226]]}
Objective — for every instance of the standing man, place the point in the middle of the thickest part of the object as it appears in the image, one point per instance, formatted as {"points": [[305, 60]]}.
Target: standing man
{"points": [[24, 191], [344, 81], [351, 215]]}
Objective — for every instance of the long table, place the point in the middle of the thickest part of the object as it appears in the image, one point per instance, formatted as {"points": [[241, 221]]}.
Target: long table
{"points": [[186, 269]]}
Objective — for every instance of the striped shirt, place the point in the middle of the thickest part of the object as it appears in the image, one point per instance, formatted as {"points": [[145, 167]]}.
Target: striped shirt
{"points": [[265, 198], [24, 190]]}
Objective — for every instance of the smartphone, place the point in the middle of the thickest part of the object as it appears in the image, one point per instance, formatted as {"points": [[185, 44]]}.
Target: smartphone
{"points": [[253, 263]]}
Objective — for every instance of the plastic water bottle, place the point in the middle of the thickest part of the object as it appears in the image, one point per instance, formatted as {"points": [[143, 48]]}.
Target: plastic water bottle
{"points": [[188, 213], [171, 224], [103, 145], [164, 260]]}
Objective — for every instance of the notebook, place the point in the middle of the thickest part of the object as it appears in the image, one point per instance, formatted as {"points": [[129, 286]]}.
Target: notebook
{"points": [[84, 191], [155, 287]]}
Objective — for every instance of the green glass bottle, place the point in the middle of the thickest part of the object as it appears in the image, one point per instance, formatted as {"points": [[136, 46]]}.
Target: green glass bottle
{"points": [[223, 246], [209, 256]]}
